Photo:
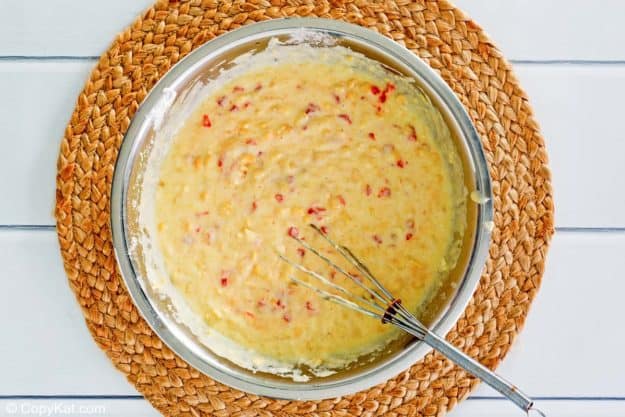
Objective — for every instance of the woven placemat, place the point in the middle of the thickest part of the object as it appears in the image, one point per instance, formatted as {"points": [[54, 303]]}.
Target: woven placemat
{"points": [[440, 34]]}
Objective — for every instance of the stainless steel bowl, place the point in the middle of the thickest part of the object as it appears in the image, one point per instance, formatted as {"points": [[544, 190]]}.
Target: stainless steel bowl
{"points": [[199, 67]]}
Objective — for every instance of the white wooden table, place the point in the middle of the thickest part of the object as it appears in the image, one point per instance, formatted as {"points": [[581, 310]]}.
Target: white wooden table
{"points": [[570, 57]]}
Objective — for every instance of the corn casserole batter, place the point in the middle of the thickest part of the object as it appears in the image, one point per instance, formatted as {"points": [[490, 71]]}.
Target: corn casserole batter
{"points": [[332, 139]]}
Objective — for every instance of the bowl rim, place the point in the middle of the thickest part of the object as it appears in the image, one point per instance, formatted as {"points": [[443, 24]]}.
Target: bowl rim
{"points": [[438, 91]]}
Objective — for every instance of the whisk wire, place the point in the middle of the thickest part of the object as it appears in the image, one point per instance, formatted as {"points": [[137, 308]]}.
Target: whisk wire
{"points": [[349, 256], [335, 298], [317, 276], [339, 269], [394, 303], [386, 297], [327, 282]]}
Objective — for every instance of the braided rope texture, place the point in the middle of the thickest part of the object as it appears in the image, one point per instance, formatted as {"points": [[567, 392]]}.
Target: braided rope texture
{"points": [[450, 43]]}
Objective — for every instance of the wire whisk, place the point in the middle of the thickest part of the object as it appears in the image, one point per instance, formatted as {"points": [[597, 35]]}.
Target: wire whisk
{"points": [[379, 303]]}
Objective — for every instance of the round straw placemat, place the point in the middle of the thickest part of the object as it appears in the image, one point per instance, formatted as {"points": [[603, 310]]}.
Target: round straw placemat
{"points": [[439, 33]]}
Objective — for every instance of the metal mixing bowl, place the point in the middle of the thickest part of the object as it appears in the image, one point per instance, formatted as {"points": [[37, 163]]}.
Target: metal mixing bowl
{"points": [[199, 67]]}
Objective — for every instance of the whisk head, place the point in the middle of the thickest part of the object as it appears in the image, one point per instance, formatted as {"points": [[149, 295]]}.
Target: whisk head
{"points": [[380, 303]]}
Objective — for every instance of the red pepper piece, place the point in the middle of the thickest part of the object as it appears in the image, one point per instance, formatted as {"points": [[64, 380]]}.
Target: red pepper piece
{"points": [[238, 89], [341, 199], [279, 197], [375, 90], [377, 239], [309, 306], [251, 142], [384, 192], [346, 118], [224, 281], [311, 108], [337, 99], [220, 101], [220, 163], [413, 134], [315, 210], [258, 87], [368, 189], [206, 121], [371, 135], [409, 236], [390, 87], [286, 317], [234, 107], [293, 231], [401, 163], [301, 252], [324, 230], [254, 206]]}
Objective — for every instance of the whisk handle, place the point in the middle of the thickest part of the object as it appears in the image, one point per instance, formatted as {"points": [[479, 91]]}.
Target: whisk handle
{"points": [[477, 369]]}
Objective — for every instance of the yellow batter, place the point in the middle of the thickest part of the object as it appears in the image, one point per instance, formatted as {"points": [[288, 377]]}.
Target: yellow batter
{"points": [[336, 141]]}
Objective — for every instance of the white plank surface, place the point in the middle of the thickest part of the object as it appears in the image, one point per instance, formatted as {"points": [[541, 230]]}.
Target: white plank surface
{"points": [[577, 106], [71, 407], [523, 29], [560, 408], [42, 96], [578, 309], [552, 29], [63, 27], [46, 347], [572, 344]]}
